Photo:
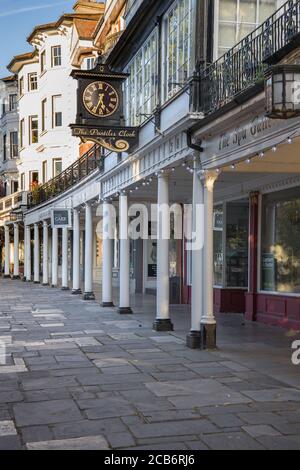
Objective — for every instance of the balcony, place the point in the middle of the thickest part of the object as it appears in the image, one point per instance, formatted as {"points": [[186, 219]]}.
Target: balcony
{"points": [[238, 72], [12, 202], [87, 164]]}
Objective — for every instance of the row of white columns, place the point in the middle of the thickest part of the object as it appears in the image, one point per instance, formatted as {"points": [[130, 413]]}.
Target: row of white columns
{"points": [[203, 324]]}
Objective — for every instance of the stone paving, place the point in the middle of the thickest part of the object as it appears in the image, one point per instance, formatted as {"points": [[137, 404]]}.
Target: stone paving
{"points": [[81, 377]]}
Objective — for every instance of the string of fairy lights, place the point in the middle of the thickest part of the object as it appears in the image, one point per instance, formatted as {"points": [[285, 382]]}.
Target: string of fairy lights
{"points": [[145, 182]]}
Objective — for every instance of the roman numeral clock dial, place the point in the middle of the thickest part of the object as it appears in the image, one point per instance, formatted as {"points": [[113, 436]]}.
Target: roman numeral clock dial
{"points": [[100, 99]]}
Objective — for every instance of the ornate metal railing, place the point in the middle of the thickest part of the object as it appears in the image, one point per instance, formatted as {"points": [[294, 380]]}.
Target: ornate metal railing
{"points": [[243, 66], [89, 162]]}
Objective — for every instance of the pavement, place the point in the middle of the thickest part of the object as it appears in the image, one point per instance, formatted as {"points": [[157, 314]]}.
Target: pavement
{"points": [[77, 376]]}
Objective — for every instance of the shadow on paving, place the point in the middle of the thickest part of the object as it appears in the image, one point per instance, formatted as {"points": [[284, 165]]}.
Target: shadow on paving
{"points": [[77, 376]]}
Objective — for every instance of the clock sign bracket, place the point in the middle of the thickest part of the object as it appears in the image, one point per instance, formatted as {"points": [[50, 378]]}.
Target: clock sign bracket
{"points": [[100, 116]]}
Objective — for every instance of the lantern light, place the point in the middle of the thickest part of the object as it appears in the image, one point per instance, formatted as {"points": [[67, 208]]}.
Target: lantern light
{"points": [[282, 91]]}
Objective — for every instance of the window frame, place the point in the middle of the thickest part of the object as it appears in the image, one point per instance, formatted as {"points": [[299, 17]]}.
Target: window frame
{"points": [[132, 93], [31, 119], [32, 84], [21, 86], [190, 62], [44, 171], [44, 115], [55, 113], [13, 102], [43, 61], [13, 146], [54, 161], [22, 133], [55, 57]]}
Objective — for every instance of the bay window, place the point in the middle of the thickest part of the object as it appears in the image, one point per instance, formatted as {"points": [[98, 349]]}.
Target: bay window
{"points": [[280, 244], [178, 60], [141, 86]]}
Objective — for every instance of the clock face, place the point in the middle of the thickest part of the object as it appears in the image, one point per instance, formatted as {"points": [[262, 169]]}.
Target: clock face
{"points": [[100, 99]]}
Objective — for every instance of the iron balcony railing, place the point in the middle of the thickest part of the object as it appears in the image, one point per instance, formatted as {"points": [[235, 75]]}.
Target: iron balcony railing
{"points": [[89, 162], [243, 66]]}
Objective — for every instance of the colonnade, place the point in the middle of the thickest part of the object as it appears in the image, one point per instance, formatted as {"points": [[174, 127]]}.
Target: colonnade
{"points": [[203, 323]]}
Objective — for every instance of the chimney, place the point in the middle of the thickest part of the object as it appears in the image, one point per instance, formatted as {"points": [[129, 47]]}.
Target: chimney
{"points": [[89, 7]]}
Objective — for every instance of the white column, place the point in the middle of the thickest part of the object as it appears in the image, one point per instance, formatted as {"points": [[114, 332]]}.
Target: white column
{"points": [[76, 253], [65, 239], [7, 251], [124, 307], [45, 253], [194, 338], [88, 262], [28, 253], [36, 254], [163, 322], [208, 321], [16, 252], [107, 261], [54, 257]]}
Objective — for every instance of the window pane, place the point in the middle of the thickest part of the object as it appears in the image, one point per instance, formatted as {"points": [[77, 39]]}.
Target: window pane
{"points": [[247, 11], [266, 8], [218, 246], [227, 10], [280, 257], [237, 228]]}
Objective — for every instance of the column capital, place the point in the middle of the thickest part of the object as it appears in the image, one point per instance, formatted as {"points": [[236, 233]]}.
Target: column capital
{"points": [[254, 196], [164, 173], [210, 177]]}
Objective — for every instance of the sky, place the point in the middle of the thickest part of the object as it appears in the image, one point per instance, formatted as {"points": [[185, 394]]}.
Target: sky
{"points": [[17, 20]]}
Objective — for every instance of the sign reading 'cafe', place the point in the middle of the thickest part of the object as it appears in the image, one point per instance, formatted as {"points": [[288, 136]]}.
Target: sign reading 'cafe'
{"points": [[100, 116]]}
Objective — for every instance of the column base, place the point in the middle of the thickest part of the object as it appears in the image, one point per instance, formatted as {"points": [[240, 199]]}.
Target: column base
{"points": [[65, 288], [125, 311], [208, 336], [163, 325], [15, 277], [6, 276], [89, 296], [76, 292], [107, 305], [193, 340]]}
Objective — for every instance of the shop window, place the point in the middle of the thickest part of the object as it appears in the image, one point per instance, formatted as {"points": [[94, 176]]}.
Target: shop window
{"points": [[237, 18], [280, 255], [237, 230], [218, 246]]}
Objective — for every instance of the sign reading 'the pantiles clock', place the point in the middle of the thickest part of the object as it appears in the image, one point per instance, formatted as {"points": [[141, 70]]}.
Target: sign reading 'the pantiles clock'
{"points": [[100, 116]]}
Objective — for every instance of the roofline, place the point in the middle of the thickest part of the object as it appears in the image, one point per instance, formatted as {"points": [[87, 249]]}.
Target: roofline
{"points": [[22, 57], [65, 16]]}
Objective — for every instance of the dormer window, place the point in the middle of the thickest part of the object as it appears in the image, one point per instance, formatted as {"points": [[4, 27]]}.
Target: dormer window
{"points": [[56, 56]]}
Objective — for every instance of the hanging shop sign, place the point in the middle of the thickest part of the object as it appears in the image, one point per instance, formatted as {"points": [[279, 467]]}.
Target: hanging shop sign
{"points": [[61, 218], [100, 116]]}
